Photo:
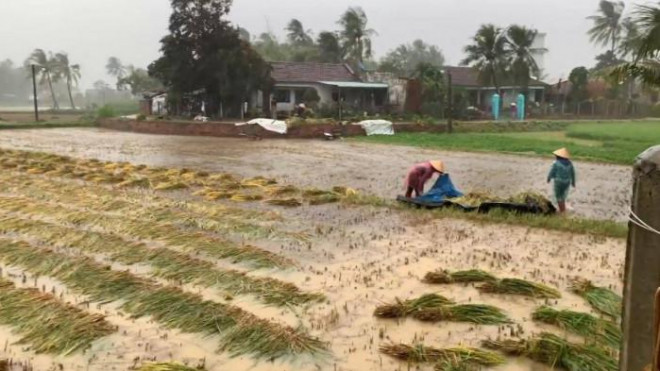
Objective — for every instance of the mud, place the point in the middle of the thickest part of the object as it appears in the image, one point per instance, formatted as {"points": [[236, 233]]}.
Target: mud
{"points": [[603, 191]]}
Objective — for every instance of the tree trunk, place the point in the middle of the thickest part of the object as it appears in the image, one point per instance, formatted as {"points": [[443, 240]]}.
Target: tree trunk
{"points": [[52, 92], [68, 85]]}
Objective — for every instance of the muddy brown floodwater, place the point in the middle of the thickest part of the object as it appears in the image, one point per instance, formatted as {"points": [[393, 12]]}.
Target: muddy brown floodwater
{"points": [[603, 191]]}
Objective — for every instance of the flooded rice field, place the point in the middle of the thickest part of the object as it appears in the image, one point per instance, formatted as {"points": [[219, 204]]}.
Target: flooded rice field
{"points": [[200, 266]]}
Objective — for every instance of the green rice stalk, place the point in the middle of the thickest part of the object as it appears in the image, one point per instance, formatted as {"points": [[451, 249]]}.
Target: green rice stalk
{"points": [[419, 353], [446, 277], [584, 324], [47, 324], [403, 308], [602, 299], [171, 307], [472, 313], [514, 286], [558, 353]]}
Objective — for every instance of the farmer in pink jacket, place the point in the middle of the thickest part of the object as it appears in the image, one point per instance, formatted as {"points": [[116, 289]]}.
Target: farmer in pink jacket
{"points": [[420, 174]]}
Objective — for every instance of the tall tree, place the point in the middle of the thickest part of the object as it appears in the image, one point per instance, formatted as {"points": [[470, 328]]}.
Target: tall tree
{"points": [[139, 81], [607, 24], [487, 54], [116, 69], [297, 34], [271, 49], [521, 54], [69, 72], [48, 70], [646, 62], [579, 79], [405, 59], [329, 48], [355, 35], [204, 53]]}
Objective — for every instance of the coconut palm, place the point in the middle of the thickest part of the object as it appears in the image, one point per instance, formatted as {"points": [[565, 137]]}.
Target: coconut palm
{"points": [[115, 68], [69, 72], [520, 53], [355, 35], [47, 72], [607, 24], [297, 34], [329, 48], [487, 54], [646, 65]]}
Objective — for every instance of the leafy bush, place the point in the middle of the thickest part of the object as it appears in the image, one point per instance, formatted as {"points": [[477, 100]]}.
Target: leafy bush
{"points": [[141, 117], [106, 112]]}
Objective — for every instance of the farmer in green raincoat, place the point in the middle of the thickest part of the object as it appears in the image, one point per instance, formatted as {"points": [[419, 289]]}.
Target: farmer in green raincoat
{"points": [[563, 173]]}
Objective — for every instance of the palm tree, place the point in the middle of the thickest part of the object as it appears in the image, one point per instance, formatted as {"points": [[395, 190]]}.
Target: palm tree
{"points": [[487, 54], [646, 64], [607, 24], [297, 34], [520, 54], [71, 73], [115, 68], [355, 36], [48, 71], [329, 48]]}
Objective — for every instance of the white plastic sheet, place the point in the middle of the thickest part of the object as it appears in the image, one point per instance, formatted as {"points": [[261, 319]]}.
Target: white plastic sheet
{"points": [[275, 126], [377, 127]]}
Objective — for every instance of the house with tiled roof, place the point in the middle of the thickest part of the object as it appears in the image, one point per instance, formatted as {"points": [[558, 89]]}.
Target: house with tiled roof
{"points": [[333, 82], [480, 95]]}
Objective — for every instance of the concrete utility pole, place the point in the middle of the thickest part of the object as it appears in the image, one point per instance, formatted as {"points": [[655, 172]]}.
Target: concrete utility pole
{"points": [[450, 101], [34, 92], [642, 277]]}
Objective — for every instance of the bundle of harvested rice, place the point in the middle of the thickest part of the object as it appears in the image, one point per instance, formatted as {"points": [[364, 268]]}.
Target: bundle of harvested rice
{"points": [[170, 186], [312, 192], [419, 353], [476, 198], [404, 308], [472, 313], [602, 299], [258, 182], [344, 191], [323, 199], [243, 197], [584, 324], [167, 366], [446, 277], [138, 182], [288, 202], [516, 286], [557, 352], [281, 190], [532, 198]]}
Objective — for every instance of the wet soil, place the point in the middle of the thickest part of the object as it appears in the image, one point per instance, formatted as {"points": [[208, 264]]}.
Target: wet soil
{"points": [[603, 191]]}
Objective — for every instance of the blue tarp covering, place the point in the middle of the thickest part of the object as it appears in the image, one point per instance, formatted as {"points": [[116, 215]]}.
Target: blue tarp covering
{"points": [[441, 191]]}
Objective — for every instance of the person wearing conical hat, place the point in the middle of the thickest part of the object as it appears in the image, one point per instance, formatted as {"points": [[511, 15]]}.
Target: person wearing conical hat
{"points": [[420, 174], [563, 173]]}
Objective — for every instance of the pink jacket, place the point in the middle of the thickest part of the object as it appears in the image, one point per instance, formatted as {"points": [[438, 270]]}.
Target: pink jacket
{"points": [[419, 175]]}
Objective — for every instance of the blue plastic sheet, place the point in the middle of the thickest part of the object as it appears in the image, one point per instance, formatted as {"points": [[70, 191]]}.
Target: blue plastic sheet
{"points": [[441, 191]]}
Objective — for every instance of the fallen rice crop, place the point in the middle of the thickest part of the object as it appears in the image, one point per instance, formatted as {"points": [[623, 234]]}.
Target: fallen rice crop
{"points": [[47, 324], [240, 332], [558, 353], [584, 324], [515, 286], [472, 313], [602, 299], [167, 366], [419, 353], [446, 277], [286, 202], [167, 264], [404, 308]]}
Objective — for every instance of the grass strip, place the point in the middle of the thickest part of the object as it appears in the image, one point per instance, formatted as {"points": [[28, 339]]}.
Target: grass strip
{"points": [[515, 286], [404, 308], [240, 332], [584, 324], [558, 353], [469, 276], [472, 313], [47, 324], [167, 264], [602, 299], [419, 353], [166, 366], [147, 230]]}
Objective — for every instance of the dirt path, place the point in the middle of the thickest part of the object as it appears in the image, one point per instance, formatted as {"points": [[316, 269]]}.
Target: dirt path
{"points": [[603, 190]]}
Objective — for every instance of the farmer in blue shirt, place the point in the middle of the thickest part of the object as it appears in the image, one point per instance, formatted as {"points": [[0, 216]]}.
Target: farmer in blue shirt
{"points": [[563, 173]]}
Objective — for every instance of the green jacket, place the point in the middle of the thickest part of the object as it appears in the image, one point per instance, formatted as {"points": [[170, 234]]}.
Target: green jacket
{"points": [[562, 172]]}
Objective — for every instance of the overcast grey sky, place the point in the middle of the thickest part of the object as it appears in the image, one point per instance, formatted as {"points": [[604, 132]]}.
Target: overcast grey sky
{"points": [[93, 30]]}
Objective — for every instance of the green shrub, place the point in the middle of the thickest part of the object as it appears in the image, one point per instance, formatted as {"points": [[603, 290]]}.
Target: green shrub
{"points": [[106, 112], [141, 117]]}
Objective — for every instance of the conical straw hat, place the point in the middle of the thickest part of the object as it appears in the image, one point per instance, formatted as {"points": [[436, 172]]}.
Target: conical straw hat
{"points": [[563, 153], [438, 166]]}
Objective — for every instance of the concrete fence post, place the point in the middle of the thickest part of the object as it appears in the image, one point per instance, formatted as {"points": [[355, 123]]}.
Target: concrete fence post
{"points": [[642, 275]]}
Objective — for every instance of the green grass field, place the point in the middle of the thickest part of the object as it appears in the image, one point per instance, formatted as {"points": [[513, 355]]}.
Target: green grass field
{"points": [[612, 142]]}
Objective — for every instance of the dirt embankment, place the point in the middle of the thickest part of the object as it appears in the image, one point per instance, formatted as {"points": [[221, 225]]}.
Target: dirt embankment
{"points": [[603, 191]]}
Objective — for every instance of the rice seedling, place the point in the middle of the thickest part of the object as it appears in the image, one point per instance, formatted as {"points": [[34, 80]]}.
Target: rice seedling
{"points": [[46, 324], [419, 353], [584, 324], [515, 286], [556, 352], [287, 202], [403, 308], [169, 306], [167, 264], [472, 313], [446, 277], [166, 366], [602, 299]]}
